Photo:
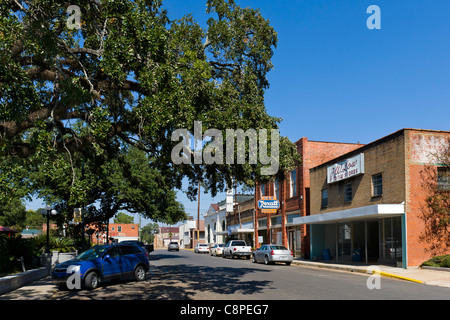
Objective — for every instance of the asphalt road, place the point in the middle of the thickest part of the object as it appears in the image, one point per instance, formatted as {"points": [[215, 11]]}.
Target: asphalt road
{"points": [[185, 275]]}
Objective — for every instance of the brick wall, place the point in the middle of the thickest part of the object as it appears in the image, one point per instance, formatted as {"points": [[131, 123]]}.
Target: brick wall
{"points": [[313, 153], [422, 147], [402, 158], [384, 156]]}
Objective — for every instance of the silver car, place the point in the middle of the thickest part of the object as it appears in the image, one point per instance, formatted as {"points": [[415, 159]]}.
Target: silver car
{"points": [[217, 250], [270, 253]]}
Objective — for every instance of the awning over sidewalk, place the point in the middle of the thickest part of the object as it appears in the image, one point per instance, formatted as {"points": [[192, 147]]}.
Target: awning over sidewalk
{"points": [[362, 213]]}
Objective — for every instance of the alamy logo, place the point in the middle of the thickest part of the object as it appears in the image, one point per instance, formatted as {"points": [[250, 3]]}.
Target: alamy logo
{"points": [[208, 148], [74, 280], [374, 281], [74, 21]]}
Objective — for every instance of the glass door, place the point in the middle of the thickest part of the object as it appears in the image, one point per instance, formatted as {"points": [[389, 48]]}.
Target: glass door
{"points": [[344, 241]]}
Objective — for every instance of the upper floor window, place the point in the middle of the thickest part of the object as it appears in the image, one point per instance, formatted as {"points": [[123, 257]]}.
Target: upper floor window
{"points": [[377, 184], [263, 190], [293, 182], [324, 198], [348, 192], [443, 178], [276, 185], [119, 228]]}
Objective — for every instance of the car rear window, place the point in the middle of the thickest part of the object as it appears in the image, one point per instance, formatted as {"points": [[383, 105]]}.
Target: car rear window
{"points": [[278, 248], [129, 250], [238, 243]]}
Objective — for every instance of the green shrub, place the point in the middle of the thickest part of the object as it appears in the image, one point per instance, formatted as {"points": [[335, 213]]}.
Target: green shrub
{"points": [[438, 261]]}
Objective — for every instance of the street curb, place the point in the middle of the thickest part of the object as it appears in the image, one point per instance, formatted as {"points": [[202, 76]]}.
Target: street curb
{"points": [[390, 275], [360, 270]]}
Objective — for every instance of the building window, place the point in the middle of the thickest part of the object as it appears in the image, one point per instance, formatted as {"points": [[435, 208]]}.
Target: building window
{"points": [[276, 220], [119, 228], [276, 185], [324, 198], [348, 192], [290, 217], [293, 189], [263, 190], [443, 178], [377, 183], [262, 223]]}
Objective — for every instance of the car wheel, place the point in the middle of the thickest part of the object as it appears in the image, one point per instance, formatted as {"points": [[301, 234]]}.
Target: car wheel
{"points": [[91, 280], [266, 260], [139, 273], [288, 263], [253, 258]]}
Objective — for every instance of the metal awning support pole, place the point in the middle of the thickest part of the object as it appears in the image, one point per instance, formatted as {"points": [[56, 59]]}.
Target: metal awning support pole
{"points": [[366, 249]]}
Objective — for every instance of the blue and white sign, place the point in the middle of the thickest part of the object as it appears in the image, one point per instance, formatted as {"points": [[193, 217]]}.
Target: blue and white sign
{"points": [[268, 204]]}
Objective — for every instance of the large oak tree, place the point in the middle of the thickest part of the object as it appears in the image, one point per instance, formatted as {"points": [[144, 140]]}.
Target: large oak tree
{"points": [[130, 76]]}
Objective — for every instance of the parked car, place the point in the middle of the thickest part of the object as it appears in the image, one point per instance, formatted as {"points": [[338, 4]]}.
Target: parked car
{"points": [[100, 263], [237, 248], [273, 253], [201, 247], [217, 250], [138, 243], [173, 246]]}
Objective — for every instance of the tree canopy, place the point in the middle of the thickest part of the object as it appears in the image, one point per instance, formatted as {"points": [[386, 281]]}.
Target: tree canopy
{"points": [[76, 104]]}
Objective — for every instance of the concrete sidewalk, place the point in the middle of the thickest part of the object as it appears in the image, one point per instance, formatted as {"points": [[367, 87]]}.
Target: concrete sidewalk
{"points": [[38, 290], [437, 277]]}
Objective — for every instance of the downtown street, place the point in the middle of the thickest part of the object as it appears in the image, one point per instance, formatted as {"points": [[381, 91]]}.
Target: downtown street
{"points": [[185, 275]]}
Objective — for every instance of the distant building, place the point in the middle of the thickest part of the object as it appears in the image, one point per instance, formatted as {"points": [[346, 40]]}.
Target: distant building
{"points": [[165, 236], [118, 232], [188, 234]]}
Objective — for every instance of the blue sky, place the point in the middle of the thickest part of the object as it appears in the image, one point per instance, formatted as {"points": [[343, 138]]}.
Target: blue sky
{"points": [[336, 80]]}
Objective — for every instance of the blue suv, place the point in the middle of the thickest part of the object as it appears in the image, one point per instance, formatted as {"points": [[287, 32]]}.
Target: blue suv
{"points": [[100, 263]]}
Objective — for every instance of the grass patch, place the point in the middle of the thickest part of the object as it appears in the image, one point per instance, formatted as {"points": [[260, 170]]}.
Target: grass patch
{"points": [[438, 261]]}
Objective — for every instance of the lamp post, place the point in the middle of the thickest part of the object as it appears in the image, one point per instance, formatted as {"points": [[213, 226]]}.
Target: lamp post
{"points": [[48, 211]]}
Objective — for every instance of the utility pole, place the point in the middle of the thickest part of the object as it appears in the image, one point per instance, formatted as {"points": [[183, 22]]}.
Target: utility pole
{"points": [[198, 213]]}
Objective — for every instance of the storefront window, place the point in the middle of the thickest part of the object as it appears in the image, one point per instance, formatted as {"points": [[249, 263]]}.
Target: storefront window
{"points": [[391, 240]]}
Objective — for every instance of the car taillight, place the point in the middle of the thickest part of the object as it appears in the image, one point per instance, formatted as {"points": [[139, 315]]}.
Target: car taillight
{"points": [[292, 253], [234, 249], [272, 253]]}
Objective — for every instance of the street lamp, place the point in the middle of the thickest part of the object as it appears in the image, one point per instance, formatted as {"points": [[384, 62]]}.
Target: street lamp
{"points": [[48, 211]]}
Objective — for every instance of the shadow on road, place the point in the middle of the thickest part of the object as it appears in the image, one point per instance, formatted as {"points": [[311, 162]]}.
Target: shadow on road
{"points": [[179, 282]]}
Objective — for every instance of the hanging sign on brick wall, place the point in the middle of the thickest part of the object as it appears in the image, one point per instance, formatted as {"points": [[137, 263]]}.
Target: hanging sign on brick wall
{"points": [[268, 204], [346, 169]]}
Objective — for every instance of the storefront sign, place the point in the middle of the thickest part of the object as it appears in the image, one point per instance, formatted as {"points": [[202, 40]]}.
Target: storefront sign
{"points": [[346, 169], [268, 204]]}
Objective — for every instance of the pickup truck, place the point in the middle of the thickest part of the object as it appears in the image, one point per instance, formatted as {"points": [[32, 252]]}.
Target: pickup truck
{"points": [[237, 248]]}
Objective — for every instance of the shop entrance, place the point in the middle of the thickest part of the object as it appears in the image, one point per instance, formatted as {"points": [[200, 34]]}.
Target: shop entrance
{"points": [[371, 241]]}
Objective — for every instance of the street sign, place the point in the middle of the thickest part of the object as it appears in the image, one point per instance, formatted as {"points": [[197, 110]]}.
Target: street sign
{"points": [[268, 204]]}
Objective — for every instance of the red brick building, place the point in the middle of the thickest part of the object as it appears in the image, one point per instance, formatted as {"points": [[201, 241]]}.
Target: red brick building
{"points": [[293, 194], [368, 205], [117, 232]]}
